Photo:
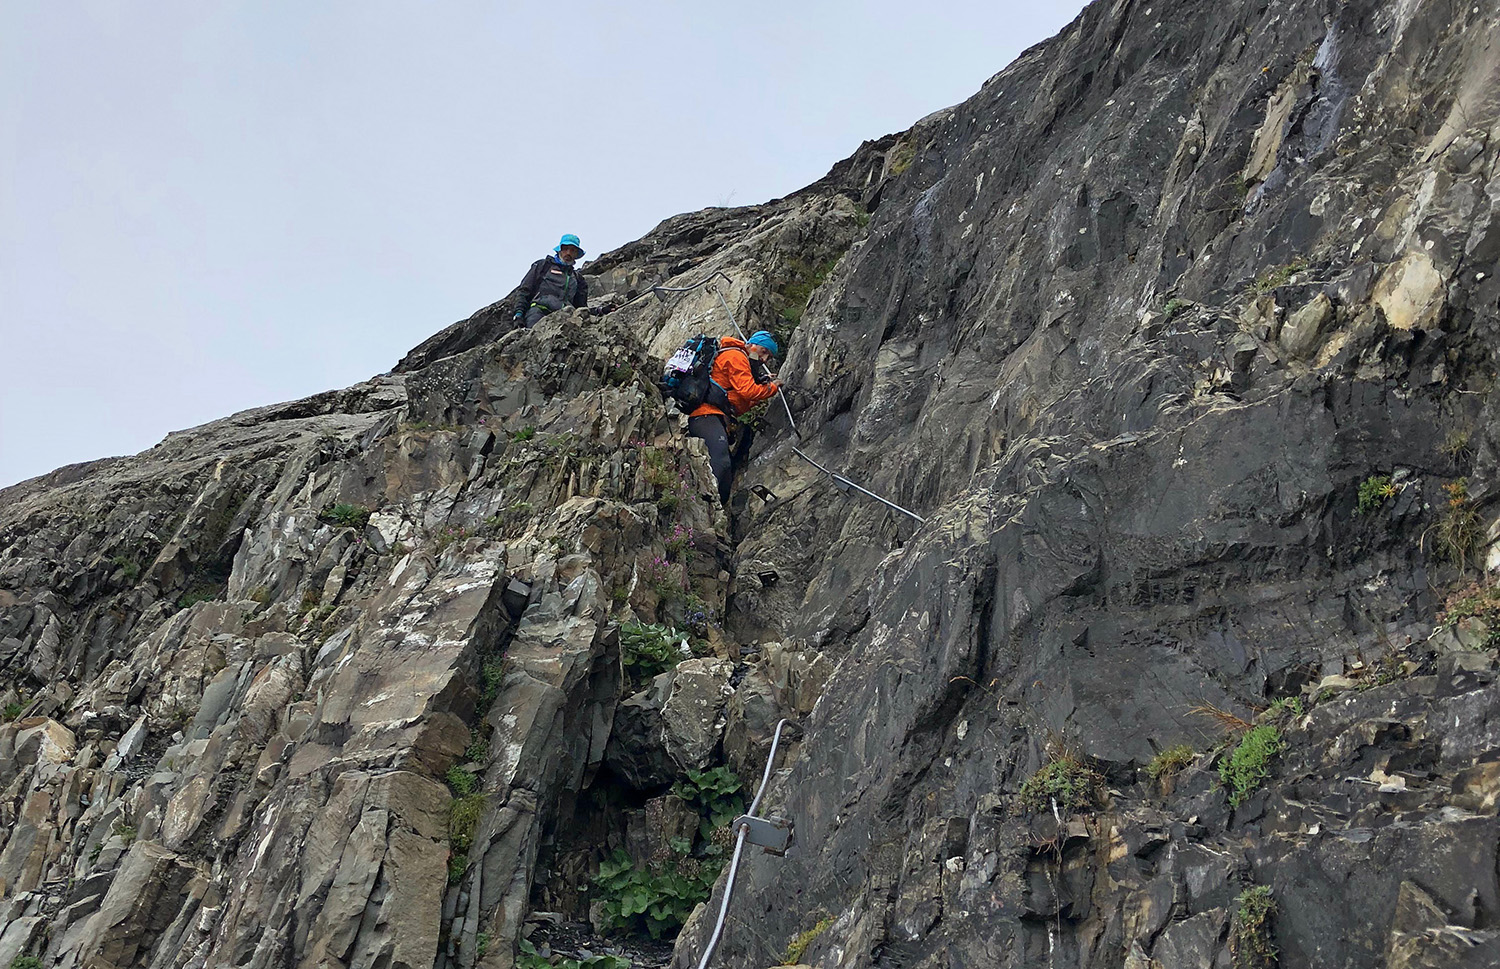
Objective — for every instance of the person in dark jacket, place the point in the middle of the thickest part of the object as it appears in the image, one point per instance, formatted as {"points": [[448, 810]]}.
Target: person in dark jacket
{"points": [[740, 381], [553, 283]]}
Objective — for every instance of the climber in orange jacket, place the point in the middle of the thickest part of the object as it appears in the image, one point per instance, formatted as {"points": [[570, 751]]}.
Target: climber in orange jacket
{"points": [[740, 380]]}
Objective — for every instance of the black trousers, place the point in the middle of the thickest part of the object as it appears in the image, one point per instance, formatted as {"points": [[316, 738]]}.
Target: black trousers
{"points": [[711, 430], [534, 313]]}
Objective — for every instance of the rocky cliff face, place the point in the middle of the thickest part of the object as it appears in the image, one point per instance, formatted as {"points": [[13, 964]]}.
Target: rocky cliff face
{"points": [[1181, 335]]}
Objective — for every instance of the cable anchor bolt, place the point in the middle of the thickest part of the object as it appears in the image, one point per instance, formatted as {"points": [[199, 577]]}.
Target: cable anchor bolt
{"points": [[773, 834]]}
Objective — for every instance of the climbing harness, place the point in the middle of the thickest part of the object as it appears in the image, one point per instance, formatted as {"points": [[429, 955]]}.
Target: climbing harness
{"points": [[772, 834], [843, 482]]}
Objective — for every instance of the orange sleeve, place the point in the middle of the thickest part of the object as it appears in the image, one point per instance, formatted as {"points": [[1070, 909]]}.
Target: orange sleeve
{"points": [[736, 378]]}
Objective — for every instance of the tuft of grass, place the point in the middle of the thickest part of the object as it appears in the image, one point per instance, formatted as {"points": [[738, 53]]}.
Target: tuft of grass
{"points": [[1170, 761], [449, 535], [1227, 720], [1250, 943], [126, 832], [200, 592], [491, 677], [524, 434], [1373, 492], [458, 863], [1249, 764], [1455, 444], [478, 749], [800, 941], [261, 595], [1458, 528], [464, 814], [1276, 276], [11, 711], [1064, 780], [311, 599], [25, 962], [1282, 708]]}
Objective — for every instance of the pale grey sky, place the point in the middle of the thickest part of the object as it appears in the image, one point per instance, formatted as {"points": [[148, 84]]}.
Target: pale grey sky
{"points": [[211, 206]]}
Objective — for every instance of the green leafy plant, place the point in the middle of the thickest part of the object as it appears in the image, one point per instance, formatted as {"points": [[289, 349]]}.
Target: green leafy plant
{"points": [[478, 749], [656, 901], [1065, 780], [1170, 761], [1373, 492], [800, 941], [529, 958], [1175, 307], [11, 711], [1250, 943], [345, 515], [125, 832], [647, 649], [714, 794], [799, 278], [25, 962], [128, 567], [1283, 708], [524, 434], [1249, 764], [481, 944], [310, 600], [458, 863], [460, 781]]}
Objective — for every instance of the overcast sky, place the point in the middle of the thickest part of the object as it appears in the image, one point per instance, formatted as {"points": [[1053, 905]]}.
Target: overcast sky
{"points": [[206, 207]]}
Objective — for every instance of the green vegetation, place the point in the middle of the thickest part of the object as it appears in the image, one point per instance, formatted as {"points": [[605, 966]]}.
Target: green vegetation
{"points": [[1474, 601], [478, 749], [524, 434], [464, 814], [458, 863], [714, 794], [1276, 276], [800, 942], [460, 781], [1249, 765], [1456, 443], [1170, 761], [1065, 780], [345, 516], [656, 900], [502, 522], [1250, 942], [481, 944], [11, 711], [25, 962], [1175, 307], [529, 958], [261, 595], [432, 426], [1283, 708], [125, 832], [1373, 492], [491, 676], [647, 649], [449, 535], [1459, 526], [799, 279], [128, 566], [199, 592], [902, 156]]}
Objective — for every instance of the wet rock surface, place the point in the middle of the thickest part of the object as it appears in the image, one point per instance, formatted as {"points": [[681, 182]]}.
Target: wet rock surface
{"points": [[1180, 335]]}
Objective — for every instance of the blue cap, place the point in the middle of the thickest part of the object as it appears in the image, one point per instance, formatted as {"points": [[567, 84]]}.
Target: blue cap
{"points": [[763, 339], [570, 240]]}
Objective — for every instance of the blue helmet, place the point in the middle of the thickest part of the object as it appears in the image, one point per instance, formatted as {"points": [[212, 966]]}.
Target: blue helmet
{"points": [[763, 339], [570, 240]]}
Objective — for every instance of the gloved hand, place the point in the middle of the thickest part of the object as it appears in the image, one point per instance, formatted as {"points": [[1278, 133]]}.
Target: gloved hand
{"points": [[518, 315]]}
